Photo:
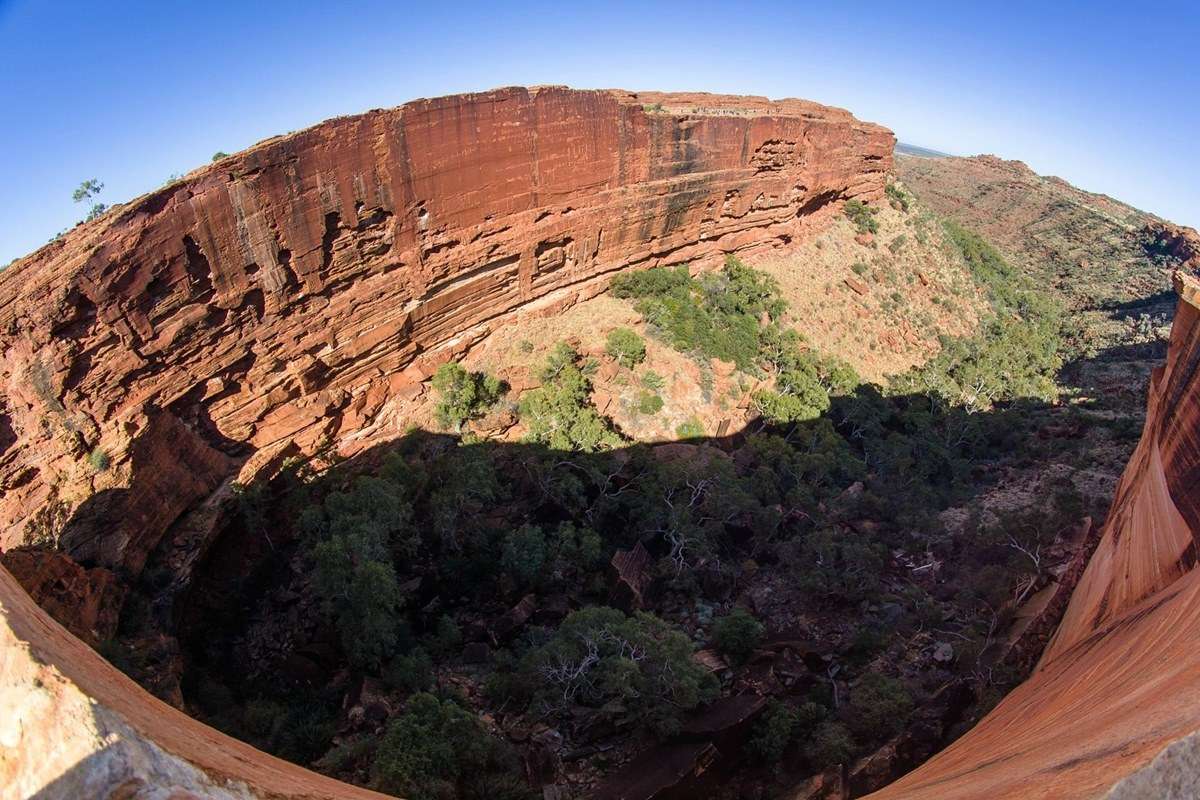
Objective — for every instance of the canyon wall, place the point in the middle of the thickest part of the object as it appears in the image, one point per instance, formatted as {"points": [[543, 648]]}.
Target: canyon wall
{"points": [[289, 298], [1113, 707], [279, 300]]}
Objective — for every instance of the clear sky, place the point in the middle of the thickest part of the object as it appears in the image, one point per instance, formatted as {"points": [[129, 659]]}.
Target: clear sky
{"points": [[1104, 94]]}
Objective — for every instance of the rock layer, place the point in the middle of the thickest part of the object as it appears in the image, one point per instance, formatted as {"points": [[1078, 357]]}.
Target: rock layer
{"points": [[285, 299], [282, 298], [1120, 681]]}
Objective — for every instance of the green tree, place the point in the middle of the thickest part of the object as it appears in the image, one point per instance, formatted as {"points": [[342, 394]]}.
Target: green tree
{"points": [[626, 347], [559, 413], [879, 707], [436, 749], [773, 732], [524, 554], [353, 539], [830, 744], [737, 633], [87, 192], [217, 156], [637, 667], [463, 395]]}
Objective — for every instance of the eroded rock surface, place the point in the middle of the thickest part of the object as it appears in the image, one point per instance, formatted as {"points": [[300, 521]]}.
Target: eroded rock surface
{"points": [[282, 298]]}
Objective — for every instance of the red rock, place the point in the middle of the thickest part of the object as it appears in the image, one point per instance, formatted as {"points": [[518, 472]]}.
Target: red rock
{"points": [[855, 285], [255, 302], [631, 576], [85, 601]]}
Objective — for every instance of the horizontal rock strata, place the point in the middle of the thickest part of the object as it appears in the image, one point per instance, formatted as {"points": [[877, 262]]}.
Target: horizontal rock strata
{"points": [[281, 298]]}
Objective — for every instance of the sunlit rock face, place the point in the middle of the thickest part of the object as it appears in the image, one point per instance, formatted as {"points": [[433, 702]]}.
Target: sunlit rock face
{"points": [[1114, 705], [282, 298]]}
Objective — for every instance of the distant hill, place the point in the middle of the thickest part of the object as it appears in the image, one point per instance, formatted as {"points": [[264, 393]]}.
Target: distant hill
{"points": [[1094, 249], [919, 152]]}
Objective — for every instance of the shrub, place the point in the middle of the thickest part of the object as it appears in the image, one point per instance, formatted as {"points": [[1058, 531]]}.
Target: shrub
{"points": [[463, 395], [436, 749], [829, 745], [446, 638], [626, 347], [217, 156], [637, 667], [862, 216], [737, 633], [412, 672], [524, 554], [898, 196], [772, 733], [691, 428], [653, 381], [879, 707], [649, 403], [860, 268], [98, 459], [559, 413]]}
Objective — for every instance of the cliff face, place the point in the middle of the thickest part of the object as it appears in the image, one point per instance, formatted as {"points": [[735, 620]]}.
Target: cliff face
{"points": [[1120, 680], [282, 298], [285, 299]]}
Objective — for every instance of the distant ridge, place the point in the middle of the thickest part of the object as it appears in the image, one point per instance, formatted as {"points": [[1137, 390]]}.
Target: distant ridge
{"points": [[922, 152]]}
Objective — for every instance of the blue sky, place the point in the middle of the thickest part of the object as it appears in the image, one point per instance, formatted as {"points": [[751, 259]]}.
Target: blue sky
{"points": [[1104, 94]]}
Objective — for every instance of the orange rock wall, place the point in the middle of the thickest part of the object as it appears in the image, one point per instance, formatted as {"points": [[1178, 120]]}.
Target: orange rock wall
{"points": [[1120, 680], [285, 296]]}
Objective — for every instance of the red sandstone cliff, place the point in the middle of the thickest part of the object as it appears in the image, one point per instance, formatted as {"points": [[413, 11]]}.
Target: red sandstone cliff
{"points": [[1119, 683], [284, 296]]}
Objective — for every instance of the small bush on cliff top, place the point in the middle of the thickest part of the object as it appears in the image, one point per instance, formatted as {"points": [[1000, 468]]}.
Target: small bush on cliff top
{"points": [[463, 395]]}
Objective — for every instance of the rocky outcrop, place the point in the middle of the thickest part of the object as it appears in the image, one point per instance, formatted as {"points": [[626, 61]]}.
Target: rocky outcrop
{"points": [[286, 297], [85, 601], [1113, 702], [74, 727]]}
